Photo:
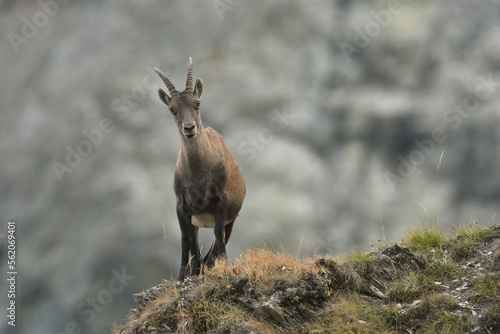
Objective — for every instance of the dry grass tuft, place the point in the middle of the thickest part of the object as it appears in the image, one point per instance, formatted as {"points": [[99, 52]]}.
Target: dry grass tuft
{"points": [[263, 265]]}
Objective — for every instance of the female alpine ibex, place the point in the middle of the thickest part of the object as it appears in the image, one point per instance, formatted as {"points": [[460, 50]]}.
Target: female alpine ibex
{"points": [[208, 183]]}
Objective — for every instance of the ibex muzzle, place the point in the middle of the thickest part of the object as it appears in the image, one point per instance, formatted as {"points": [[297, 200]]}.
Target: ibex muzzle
{"points": [[208, 183]]}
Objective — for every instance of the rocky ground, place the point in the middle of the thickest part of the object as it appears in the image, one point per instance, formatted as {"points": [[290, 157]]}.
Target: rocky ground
{"points": [[427, 283]]}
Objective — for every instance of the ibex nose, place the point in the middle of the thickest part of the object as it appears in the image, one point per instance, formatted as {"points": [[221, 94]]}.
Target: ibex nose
{"points": [[189, 127]]}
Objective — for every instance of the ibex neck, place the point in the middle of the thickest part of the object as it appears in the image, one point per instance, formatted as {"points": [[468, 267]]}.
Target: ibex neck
{"points": [[194, 150]]}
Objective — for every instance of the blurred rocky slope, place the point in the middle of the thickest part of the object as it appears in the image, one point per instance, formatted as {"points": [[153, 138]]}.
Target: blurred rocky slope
{"points": [[325, 105]]}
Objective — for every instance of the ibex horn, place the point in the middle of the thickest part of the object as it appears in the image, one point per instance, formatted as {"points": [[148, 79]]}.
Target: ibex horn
{"points": [[189, 81], [170, 86]]}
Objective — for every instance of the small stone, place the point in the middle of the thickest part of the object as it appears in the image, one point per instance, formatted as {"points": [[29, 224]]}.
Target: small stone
{"points": [[377, 292], [464, 304], [416, 302], [267, 304], [275, 297], [269, 311]]}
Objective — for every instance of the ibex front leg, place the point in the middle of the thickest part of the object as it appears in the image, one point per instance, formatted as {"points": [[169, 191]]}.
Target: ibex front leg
{"points": [[186, 241]]}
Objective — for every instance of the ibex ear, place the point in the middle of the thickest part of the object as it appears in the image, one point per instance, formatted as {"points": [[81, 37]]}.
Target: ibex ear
{"points": [[198, 88], [164, 97]]}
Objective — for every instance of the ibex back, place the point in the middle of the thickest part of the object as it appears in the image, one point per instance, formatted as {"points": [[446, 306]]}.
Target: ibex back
{"points": [[208, 183]]}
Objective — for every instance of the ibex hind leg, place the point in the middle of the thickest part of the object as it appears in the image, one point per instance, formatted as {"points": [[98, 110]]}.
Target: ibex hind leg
{"points": [[228, 230], [195, 260], [209, 259], [186, 243]]}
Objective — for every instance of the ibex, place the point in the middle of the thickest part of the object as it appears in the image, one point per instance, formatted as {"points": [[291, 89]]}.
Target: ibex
{"points": [[208, 183]]}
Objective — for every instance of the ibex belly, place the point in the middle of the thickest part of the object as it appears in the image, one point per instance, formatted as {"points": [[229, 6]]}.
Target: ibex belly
{"points": [[204, 220]]}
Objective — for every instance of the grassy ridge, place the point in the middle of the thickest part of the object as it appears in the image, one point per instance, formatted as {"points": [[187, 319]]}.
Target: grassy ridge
{"points": [[427, 283]]}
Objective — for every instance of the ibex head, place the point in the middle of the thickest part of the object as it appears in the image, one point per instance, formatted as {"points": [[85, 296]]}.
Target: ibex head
{"points": [[185, 106]]}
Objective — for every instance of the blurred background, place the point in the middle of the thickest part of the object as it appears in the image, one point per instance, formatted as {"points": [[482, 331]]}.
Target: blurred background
{"points": [[337, 111]]}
